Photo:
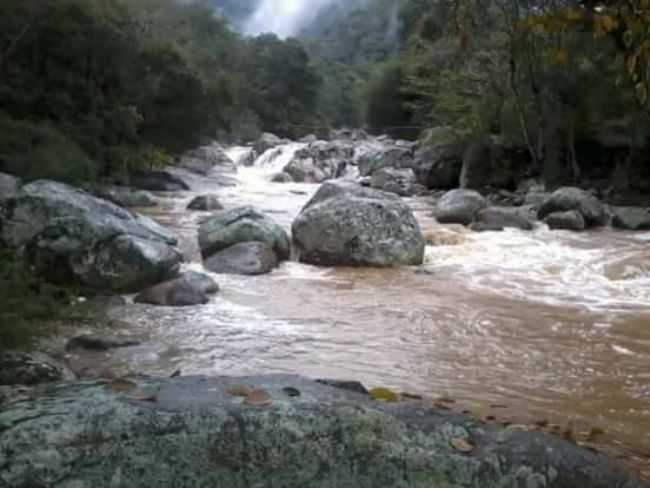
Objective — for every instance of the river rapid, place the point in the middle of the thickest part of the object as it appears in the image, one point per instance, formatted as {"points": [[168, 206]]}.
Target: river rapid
{"points": [[554, 325]]}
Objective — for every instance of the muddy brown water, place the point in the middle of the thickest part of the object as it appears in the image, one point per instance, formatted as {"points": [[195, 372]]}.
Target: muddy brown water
{"points": [[555, 325]]}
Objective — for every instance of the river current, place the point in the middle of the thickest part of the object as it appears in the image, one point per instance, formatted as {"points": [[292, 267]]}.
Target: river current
{"points": [[555, 325]]}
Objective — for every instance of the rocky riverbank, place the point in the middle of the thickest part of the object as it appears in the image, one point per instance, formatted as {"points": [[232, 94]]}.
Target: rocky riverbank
{"points": [[92, 242], [275, 431]]}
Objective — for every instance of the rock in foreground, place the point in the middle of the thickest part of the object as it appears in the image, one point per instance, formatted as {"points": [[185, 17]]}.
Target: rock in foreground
{"points": [[357, 227], [190, 432], [23, 368], [191, 288]]}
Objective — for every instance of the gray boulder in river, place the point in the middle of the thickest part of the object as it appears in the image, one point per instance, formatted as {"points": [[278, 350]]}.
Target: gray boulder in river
{"points": [[191, 432], [190, 288], [500, 218], [569, 220], [205, 203], [245, 258], [631, 218], [459, 207], [72, 237], [242, 224], [402, 182], [574, 199], [203, 159], [125, 196], [344, 226]]}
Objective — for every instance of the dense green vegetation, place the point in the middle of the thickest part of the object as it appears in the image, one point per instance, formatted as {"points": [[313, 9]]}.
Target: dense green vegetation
{"points": [[94, 88]]}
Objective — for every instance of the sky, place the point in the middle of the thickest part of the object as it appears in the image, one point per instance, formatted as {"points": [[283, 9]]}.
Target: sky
{"points": [[283, 17]]}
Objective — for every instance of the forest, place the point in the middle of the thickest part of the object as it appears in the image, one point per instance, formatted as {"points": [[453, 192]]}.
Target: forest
{"points": [[92, 89]]}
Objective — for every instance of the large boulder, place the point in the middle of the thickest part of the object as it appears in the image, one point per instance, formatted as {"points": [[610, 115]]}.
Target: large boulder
{"points": [[126, 197], [188, 289], [157, 181], [570, 198], [320, 161], [500, 218], [31, 368], [242, 224], [358, 227], [402, 182], [203, 159], [494, 163], [72, 237], [379, 154], [459, 207], [631, 218], [9, 185], [290, 432], [205, 203], [246, 258], [438, 161], [569, 220]]}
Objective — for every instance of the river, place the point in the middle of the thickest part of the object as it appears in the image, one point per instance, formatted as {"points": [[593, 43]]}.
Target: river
{"points": [[554, 325]]}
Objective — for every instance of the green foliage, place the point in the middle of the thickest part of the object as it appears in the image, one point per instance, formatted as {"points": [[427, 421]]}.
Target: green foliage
{"points": [[26, 303], [387, 105]]}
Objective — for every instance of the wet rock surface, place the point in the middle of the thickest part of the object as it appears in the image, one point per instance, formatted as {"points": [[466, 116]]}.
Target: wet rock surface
{"points": [[574, 199], [31, 368], [188, 289], [189, 431], [343, 225], [246, 258], [205, 203], [459, 207], [242, 224]]}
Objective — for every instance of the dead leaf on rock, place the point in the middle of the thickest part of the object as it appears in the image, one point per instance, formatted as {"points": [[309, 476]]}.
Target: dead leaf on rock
{"points": [[122, 385], [518, 428], [594, 433], [291, 391], [461, 445], [239, 390], [258, 398], [383, 395], [411, 396]]}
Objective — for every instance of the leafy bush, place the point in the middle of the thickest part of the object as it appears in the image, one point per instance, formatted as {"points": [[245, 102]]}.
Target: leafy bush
{"points": [[38, 150], [26, 303]]}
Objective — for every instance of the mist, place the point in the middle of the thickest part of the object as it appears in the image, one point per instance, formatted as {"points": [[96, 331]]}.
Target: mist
{"points": [[283, 17]]}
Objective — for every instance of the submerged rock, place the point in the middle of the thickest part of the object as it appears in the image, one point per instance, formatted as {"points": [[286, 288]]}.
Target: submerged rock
{"points": [[343, 226], [574, 199], [24, 368], [631, 218], [188, 289], [157, 181], [93, 342], [267, 141], [282, 178], [459, 207], [190, 432], [205, 203], [569, 220], [125, 196], [246, 258], [500, 218], [242, 224], [402, 182], [203, 159]]}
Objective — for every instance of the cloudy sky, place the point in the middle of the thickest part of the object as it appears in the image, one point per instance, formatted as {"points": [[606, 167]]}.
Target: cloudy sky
{"points": [[283, 17]]}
